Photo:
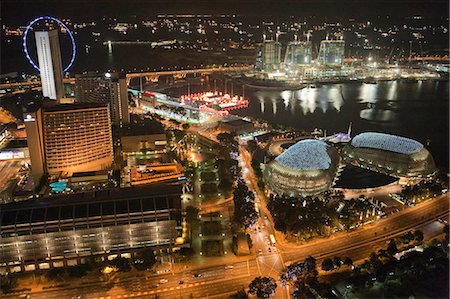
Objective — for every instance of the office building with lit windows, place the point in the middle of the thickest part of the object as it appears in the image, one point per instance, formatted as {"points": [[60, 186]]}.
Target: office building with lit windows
{"points": [[66, 230], [331, 52], [50, 65], [109, 88], [64, 139]]}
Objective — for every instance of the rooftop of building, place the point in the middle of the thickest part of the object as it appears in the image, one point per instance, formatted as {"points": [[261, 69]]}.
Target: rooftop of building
{"points": [[146, 127], [52, 106], [306, 154], [91, 204], [387, 142], [68, 107], [237, 122]]}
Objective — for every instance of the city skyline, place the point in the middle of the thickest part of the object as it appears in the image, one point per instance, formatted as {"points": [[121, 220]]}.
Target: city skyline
{"points": [[210, 149]]}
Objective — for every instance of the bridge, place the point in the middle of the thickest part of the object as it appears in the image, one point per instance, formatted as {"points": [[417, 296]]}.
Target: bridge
{"points": [[153, 76], [428, 58]]}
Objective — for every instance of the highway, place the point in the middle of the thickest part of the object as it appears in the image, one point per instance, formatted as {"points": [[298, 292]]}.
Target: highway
{"points": [[219, 281]]}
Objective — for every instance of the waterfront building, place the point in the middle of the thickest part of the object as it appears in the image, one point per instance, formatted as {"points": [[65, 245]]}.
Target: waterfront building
{"points": [[268, 57], [110, 88], [298, 54], [50, 65], [307, 168], [64, 139], [66, 230], [331, 52], [389, 154]]}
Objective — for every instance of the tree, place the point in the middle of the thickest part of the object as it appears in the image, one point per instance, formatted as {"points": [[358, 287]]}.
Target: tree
{"points": [[392, 247], [418, 235], [192, 215], [78, 270], [263, 287], [7, 283], [144, 259], [121, 263], [327, 264], [186, 251], [337, 262], [241, 294], [55, 273], [186, 126], [348, 261]]}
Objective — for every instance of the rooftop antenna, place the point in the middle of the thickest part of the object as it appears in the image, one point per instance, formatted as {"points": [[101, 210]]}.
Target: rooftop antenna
{"points": [[349, 129], [308, 35]]}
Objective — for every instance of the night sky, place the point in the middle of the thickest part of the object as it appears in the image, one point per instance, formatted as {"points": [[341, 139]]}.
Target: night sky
{"points": [[21, 10]]}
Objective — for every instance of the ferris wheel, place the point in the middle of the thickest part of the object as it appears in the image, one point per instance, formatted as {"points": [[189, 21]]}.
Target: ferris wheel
{"points": [[48, 18]]}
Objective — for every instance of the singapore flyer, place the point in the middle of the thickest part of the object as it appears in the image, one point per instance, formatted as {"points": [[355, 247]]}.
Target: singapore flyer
{"points": [[30, 27]]}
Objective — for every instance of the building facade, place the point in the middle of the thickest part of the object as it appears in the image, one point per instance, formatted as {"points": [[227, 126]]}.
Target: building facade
{"points": [[50, 64], [307, 168], [298, 53], [268, 57], [69, 138], [56, 232], [109, 89], [331, 52], [397, 156]]}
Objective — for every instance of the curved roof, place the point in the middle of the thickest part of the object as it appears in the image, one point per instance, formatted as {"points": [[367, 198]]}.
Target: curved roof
{"points": [[306, 154], [387, 142]]}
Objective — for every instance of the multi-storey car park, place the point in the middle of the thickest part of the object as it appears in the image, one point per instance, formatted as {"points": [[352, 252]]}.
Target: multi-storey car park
{"points": [[55, 232]]}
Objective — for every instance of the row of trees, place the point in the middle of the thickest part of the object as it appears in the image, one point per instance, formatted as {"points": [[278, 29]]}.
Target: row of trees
{"points": [[307, 217], [244, 205], [261, 286], [336, 262], [416, 274]]}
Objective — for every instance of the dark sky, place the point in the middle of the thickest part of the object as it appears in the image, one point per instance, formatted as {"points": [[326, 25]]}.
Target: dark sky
{"points": [[23, 10]]}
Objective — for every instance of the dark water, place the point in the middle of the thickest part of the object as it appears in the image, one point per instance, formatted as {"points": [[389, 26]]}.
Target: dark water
{"points": [[417, 110]]}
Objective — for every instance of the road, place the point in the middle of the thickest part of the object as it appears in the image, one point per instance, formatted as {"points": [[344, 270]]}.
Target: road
{"points": [[219, 282], [8, 169]]}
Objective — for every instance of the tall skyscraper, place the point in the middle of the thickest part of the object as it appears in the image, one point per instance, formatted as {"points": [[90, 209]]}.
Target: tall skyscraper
{"points": [[268, 57], [331, 52], [298, 53], [69, 138], [50, 65], [109, 89]]}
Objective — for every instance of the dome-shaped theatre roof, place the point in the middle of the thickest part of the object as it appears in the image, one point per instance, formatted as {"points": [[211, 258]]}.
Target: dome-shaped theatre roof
{"points": [[306, 154], [387, 142]]}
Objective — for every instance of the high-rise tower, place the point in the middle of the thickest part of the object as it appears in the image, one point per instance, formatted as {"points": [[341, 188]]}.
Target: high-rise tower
{"points": [[331, 52], [269, 55], [50, 65]]}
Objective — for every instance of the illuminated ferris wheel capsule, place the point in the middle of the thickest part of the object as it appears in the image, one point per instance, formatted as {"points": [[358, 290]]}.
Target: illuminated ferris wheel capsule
{"points": [[25, 49]]}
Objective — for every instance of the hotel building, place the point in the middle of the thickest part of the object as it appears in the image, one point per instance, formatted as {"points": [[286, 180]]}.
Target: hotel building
{"points": [[64, 139]]}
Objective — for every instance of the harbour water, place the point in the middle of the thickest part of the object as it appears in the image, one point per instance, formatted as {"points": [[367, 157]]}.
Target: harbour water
{"points": [[418, 110]]}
